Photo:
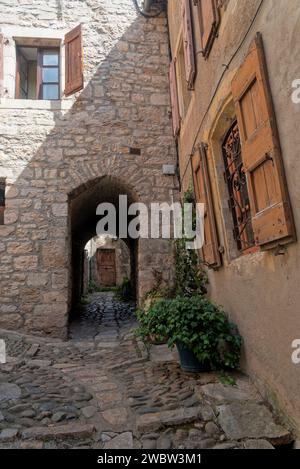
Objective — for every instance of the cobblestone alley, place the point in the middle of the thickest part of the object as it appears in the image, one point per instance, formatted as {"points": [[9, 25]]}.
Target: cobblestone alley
{"points": [[103, 389]]}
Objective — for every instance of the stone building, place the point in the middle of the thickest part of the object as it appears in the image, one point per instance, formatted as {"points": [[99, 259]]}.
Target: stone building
{"points": [[109, 262], [234, 65], [59, 158], [72, 137]]}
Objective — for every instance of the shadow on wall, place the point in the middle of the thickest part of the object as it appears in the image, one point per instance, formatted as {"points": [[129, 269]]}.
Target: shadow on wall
{"points": [[59, 165]]}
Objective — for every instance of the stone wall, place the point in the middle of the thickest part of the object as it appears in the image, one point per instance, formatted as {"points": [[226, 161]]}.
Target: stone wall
{"points": [[260, 291], [50, 151]]}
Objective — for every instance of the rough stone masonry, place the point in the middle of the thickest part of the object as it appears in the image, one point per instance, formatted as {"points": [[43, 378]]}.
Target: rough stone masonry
{"points": [[53, 152]]}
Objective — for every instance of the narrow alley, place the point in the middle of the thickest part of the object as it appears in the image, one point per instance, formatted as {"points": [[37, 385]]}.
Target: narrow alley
{"points": [[103, 389]]}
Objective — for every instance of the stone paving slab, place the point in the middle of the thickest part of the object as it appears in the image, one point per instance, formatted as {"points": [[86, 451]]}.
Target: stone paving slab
{"points": [[83, 394], [221, 393], [180, 416], [59, 431], [249, 420]]}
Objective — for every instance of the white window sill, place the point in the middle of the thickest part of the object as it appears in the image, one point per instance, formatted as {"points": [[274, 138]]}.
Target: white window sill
{"points": [[49, 105]]}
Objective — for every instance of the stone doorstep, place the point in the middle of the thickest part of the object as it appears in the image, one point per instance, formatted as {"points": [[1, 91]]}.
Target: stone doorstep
{"points": [[251, 420], [180, 416], [73, 430]]}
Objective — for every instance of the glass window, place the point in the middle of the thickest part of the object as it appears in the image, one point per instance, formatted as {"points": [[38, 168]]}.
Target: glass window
{"points": [[50, 74], [37, 75], [50, 92], [50, 58]]}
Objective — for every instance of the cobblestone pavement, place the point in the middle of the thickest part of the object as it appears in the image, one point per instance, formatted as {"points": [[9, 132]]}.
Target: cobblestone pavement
{"points": [[103, 389]]}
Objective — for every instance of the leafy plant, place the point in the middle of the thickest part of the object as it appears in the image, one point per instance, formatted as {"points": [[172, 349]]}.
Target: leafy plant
{"points": [[154, 322], [93, 287], [197, 324], [190, 275], [124, 291]]}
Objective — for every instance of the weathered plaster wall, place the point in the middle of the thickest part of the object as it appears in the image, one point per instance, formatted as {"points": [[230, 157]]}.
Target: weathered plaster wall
{"points": [[48, 150], [260, 291], [122, 256]]}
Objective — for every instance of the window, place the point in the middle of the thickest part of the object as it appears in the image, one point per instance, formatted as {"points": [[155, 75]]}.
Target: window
{"points": [[210, 252], [49, 70], [236, 180], [2, 201], [37, 73], [209, 19], [272, 218], [188, 41], [184, 94], [174, 99], [40, 73]]}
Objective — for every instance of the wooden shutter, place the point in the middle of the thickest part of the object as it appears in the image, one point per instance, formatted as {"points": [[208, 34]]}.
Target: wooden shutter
{"points": [[210, 251], [74, 64], [270, 207], [174, 99], [209, 17], [188, 43], [1, 65], [2, 200]]}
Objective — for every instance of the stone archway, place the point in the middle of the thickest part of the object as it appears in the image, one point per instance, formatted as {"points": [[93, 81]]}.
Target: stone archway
{"points": [[83, 203]]}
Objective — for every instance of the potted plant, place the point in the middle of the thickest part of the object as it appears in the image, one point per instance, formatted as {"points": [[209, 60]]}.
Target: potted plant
{"points": [[204, 337], [153, 322]]}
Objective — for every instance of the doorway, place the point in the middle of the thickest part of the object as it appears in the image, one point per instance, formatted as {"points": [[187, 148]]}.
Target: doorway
{"points": [[106, 267]]}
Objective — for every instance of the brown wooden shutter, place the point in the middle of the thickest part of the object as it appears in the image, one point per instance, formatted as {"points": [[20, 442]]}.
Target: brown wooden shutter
{"points": [[270, 207], [1, 65], [174, 99], [188, 43], [209, 17], [74, 63], [202, 186]]}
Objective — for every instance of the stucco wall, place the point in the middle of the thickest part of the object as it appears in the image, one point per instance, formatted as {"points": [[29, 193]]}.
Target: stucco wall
{"points": [[260, 291], [50, 149]]}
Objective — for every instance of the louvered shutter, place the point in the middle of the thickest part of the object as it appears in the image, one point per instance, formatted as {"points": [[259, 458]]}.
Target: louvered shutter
{"points": [[188, 41], [202, 186], [174, 99], [209, 17], [270, 207], [74, 62]]}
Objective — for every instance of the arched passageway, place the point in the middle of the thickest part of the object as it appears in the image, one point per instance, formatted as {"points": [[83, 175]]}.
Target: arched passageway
{"points": [[83, 203]]}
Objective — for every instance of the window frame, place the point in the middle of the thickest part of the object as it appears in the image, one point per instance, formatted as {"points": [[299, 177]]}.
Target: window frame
{"points": [[40, 66], [242, 228], [182, 85], [213, 27]]}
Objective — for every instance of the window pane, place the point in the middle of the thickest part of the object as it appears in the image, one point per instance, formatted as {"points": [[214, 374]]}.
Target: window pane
{"points": [[50, 75], [50, 57], [50, 92]]}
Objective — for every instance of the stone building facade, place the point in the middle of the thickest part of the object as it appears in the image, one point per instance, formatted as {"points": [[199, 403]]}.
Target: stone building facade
{"points": [[258, 283], [60, 158], [118, 269]]}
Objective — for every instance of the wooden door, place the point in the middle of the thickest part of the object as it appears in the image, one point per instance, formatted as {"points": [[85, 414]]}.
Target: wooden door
{"points": [[106, 267]]}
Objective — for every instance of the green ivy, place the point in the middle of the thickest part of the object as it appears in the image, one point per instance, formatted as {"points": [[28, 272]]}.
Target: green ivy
{"points": [[196, 323]]}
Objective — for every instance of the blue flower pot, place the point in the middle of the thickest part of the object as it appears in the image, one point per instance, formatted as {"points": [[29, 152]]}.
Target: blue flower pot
{"points": [[189, 362]]}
